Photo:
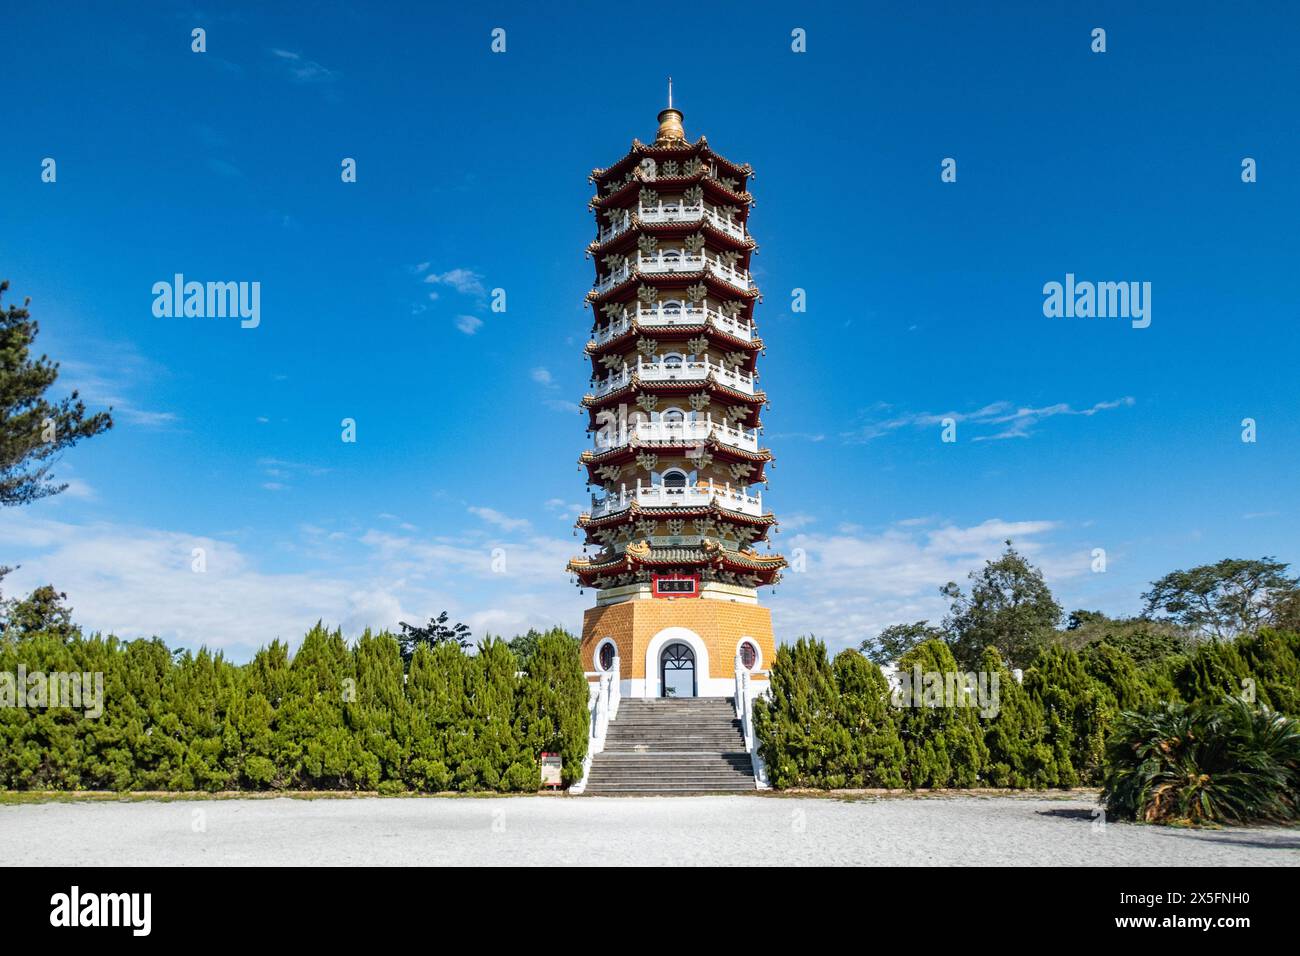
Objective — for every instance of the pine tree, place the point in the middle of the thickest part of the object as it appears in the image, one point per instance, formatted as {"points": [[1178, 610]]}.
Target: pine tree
{"points": [[943, 742], [34, 431], [1016, 736], [797, 723], [876, 751], [552, 706], [1078, 711]]}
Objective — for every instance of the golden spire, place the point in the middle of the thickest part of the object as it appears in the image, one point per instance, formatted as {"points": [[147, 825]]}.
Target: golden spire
{"points": [[670, 123]]}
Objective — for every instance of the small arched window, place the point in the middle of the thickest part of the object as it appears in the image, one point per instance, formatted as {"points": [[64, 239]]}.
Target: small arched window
{"points": [[675, 479], [606, 656], [674, 415], [748, 655], [673, 307], [673, 360]]}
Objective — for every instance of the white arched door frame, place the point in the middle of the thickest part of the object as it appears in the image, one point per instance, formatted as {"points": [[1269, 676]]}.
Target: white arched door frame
{"points": [[675, 635]]}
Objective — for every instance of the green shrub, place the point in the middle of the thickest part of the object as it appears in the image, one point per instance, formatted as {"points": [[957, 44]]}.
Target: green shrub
{"points": [[1207, 762], [331, 716], [943, 746], [1078, 711], [875, 753], [1016, 736], [551, 711], [798, 724]]}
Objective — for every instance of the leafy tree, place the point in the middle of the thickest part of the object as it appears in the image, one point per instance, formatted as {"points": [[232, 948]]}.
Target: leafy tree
{"points": [[525, 645], [34, 431], [1220, 601], [436, 632], [1010, 608], [43, 610], [897, 639], [1285, 611], [1141, 638]]}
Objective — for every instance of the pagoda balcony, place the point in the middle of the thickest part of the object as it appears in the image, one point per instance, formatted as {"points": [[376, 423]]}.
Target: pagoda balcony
{"points": [[675, 315], [673, 212], [685, 431], [662, 496], [672, 371], [669, 261], [617, 277]]}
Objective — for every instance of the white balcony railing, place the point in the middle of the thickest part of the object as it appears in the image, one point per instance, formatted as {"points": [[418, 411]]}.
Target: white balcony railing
{"points": [[699, 430], [671, 260], [736, 277], [676, 315], [674, 260], [670, 211], [670, 371], [620, 224], [614, 278], [662, 496]]}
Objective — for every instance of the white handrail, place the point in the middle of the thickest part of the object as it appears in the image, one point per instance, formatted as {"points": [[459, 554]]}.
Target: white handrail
{"points": [[745, 698], [681, 316], [603, 697], [664, 496]]}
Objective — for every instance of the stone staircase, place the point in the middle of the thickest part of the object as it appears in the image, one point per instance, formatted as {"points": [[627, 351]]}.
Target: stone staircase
{"points": [[667, 745]]}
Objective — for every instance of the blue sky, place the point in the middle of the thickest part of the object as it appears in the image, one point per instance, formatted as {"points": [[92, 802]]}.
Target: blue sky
{"points": [[924, 298]]}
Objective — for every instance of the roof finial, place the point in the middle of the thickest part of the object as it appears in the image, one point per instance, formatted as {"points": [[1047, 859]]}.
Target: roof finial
{"points": [[670, 123]]}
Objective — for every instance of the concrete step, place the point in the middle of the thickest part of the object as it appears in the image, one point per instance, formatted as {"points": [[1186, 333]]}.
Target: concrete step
{"points": [[690, 745], [610, 788]]}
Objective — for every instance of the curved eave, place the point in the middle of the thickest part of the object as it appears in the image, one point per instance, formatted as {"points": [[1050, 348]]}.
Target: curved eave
{"points": [[594, 404], [713, 510], [714, 190], [625, 454], [768, 573], [640, 150]]}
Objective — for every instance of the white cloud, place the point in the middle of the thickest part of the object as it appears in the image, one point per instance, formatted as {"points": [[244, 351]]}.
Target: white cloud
{"points": [[1007, 420], [499, 520], [138, 582], [855, 584], [464, 281], [108, 382], [301, 69], [468, 324], [543, 377]]}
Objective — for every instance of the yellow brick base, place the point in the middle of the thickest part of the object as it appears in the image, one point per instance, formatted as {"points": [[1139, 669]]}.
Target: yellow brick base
{"points": [[713, 628]]}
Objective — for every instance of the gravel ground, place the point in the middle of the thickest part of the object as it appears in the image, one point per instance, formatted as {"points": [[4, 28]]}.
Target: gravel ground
{"points": [[676, 831]]}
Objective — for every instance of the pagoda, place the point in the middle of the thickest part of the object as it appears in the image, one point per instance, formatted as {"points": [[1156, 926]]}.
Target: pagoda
{"points": [[674, 417]]}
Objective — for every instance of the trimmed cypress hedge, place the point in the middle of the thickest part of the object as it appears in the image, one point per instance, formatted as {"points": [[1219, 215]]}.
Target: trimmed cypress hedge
{"points": [[330, 717], [827, 725]]}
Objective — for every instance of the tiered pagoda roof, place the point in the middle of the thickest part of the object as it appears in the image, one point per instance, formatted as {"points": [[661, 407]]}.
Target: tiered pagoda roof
{"points": [[674, 363]]}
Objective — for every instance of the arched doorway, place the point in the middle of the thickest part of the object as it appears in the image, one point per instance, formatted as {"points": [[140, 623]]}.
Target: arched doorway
{"points": [[677, 671]]}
